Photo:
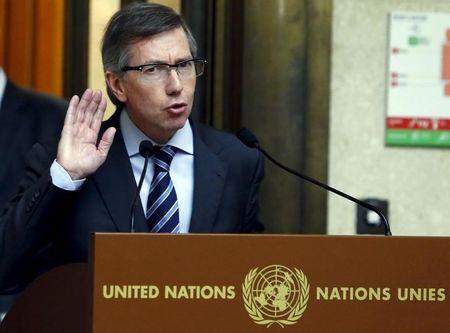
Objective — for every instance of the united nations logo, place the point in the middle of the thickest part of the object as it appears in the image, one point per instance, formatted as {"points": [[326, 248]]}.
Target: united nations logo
{"points": [[275, 295]]}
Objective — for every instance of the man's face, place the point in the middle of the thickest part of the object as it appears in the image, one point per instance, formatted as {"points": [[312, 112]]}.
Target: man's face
{"points": [[159, 109]]}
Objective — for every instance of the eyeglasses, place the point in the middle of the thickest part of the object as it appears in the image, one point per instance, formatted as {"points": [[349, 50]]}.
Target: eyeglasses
{"points": [[159, 72]]}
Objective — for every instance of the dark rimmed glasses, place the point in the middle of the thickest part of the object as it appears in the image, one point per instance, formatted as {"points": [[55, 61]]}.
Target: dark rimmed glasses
{"points": [[159, 72]]}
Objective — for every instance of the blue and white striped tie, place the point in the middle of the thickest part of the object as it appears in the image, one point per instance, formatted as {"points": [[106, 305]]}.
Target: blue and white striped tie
{"points": [[162, 205]]}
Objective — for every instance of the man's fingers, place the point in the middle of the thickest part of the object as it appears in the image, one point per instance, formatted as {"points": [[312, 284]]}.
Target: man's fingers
{"points": [[70, 119], [84, 102], [71, 111], [92, 107], [106, 141], [98, 116], [102, 105]]}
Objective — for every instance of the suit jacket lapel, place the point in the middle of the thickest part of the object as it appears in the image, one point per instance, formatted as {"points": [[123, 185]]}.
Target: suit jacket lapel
{"points": [[209, 178], [115, 181]]}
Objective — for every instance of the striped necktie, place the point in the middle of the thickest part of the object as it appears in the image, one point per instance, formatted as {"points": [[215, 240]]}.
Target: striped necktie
{"points": [[162, 205]]}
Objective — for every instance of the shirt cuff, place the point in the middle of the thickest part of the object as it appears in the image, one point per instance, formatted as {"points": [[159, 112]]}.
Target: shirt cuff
{"points": [[61, 178]]}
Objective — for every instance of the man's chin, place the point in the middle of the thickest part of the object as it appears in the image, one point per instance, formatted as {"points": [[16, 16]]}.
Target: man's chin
{"points": [[176, 123]]}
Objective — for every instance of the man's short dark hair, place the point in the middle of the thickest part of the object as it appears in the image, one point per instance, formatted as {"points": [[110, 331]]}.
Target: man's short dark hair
{"points": [[132, 24]]}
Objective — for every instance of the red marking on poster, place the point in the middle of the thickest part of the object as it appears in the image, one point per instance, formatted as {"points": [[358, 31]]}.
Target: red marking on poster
{"points": [[444, 124], [446, 62], [418, 123]]}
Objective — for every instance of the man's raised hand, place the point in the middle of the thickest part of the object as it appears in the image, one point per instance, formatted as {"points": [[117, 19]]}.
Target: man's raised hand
{"points": [[78, 152]]}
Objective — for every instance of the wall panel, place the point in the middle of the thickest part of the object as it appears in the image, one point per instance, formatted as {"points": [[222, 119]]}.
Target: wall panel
{"points": [[49, 46], [31, 43]]}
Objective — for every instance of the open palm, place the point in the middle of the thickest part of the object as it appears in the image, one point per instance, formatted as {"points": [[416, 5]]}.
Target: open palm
{"points": [[78, 151]]}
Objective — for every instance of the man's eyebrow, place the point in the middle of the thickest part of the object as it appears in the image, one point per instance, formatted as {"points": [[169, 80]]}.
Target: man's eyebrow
{"points": [[189, 57], [178, 60]]}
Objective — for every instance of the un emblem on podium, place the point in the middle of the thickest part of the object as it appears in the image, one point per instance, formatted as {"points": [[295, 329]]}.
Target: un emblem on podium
{"points": [[275, 295]]}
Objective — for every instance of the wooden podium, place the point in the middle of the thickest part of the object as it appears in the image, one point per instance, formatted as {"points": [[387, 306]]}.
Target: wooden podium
{"points": [[244, 283]]}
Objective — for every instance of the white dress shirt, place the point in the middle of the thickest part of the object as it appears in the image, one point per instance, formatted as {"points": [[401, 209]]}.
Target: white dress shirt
{"points": [[2, 84], [181, 169]]}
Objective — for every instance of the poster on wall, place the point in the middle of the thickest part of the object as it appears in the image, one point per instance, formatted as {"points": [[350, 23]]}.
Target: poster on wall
{"points": [[418, 94]]}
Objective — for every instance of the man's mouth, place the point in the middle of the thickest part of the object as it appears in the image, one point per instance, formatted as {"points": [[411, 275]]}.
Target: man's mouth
{"points": [[177, 108]]}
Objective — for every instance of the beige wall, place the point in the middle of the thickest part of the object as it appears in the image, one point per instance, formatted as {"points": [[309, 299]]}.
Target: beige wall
{"points": [[99, 14], [175, 4], [416, 181]]}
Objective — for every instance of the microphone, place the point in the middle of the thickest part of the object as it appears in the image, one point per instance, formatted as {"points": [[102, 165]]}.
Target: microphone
{"points": [[250, 140], [146, 150]]}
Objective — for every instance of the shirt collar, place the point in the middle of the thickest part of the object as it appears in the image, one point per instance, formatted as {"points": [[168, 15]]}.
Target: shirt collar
{"points": [[132, 136], [2, 84]]}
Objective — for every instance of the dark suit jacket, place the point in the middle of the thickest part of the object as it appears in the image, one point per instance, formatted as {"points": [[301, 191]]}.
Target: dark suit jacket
{"points": [[26, 117], [45, 226]]}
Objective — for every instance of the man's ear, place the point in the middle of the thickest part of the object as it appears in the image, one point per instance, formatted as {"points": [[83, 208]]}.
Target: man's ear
{"points": [[115, 84]]}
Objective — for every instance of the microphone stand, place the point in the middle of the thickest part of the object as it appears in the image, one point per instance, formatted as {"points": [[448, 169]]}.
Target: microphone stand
{"points": [[250, 140], [135, 201], [146, 150], [387, 229]]}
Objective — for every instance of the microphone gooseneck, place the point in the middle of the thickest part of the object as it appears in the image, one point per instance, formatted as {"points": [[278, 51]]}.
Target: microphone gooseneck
{"points": [[146, 150], [250, 140]]}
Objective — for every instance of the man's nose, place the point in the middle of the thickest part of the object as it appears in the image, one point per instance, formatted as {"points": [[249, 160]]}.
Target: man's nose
{"points": [[174, 85]]}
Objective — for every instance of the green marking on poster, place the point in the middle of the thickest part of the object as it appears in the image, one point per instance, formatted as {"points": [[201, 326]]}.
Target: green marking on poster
{"points": [[396, 137], [413, 40]]}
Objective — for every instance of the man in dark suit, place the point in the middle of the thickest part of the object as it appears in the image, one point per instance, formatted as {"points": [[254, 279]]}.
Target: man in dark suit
{"points": [[199, 179], [26, 117]]}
